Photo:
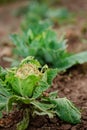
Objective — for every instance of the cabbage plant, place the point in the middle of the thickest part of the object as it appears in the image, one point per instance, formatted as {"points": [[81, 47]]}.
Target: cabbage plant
{"points": [[25, 86], [42, 42]]}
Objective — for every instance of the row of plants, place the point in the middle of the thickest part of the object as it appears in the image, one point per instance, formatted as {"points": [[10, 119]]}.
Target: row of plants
{"points": [[39, 10], [25, 85]]}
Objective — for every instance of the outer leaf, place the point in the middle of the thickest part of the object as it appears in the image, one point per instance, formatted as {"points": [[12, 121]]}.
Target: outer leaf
{"points": [[20, 42], [2, 73], [51, 74], [4, 96], [66, 110], [54, 94], [17, 99], [69, 61], [43, 109], [40, 88], [46, 82], [3, 102], [3, 90]]}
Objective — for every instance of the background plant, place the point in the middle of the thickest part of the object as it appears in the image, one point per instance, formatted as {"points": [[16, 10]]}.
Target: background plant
{"points": [[38, 11], [41, 42], [24, 86]]}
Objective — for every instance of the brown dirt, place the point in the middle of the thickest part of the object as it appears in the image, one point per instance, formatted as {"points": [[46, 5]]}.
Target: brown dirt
{"points": [[9, 120], [72, 84], [75, 5]]}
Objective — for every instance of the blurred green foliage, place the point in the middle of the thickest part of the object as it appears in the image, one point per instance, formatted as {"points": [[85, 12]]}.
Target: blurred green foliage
{"points": [[36, 12], [7, 1], [49, 2]]}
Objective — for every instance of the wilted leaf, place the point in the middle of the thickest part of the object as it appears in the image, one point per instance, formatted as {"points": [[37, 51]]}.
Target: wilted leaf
{"points": [[66, 110], [43, 109]]}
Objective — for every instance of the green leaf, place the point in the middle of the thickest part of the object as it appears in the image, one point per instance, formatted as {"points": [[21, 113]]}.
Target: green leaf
{"points": [[17, 99], [69, 61], [51, 74], [20, 42], [2, 73], [66, 110], [3, 90], [46, 81], [53, 95], [43, 108], [40, 88], [4, 96]]}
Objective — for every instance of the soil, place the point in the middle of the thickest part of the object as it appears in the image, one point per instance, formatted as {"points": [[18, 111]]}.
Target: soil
{"points": [[72, 84]]}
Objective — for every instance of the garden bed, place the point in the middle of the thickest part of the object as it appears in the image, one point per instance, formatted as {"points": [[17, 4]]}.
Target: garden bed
{"points": [[73, 85]]}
